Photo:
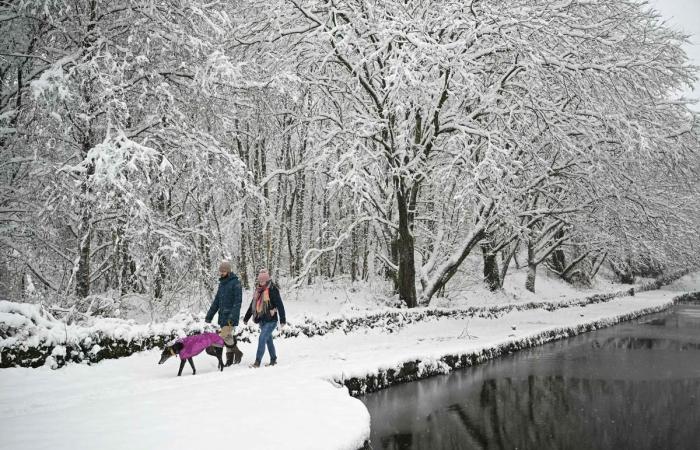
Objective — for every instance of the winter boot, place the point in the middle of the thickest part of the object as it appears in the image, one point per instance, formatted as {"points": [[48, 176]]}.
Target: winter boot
{"points": [[272, 362], [255, 365]]}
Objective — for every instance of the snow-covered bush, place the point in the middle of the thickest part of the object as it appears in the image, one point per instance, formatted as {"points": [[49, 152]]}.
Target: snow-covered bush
{"points": [[31, 337]]}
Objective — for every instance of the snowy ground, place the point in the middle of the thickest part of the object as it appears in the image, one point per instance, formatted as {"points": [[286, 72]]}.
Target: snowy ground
{"points": [[134, 403], [325, 300]]}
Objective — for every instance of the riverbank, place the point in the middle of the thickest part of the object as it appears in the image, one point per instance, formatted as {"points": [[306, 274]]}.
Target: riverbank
{"points": [[634, 385], [133, 403]]}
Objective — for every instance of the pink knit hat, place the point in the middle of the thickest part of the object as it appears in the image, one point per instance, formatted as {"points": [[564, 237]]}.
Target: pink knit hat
{"points": [[263, 277]]}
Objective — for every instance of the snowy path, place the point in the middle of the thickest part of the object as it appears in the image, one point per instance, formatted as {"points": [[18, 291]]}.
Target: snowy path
{"points": [[134, 403]]}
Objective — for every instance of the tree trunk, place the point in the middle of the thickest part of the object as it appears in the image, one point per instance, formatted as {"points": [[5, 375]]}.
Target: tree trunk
{"points": [[354, 255], [325, 259], [446, 271], [299, 223], [558, 256], [290, 246], [406, 248], [491, 271], [243, 153], [390, 273], [243, 260], [124, 265], [204, 255], [257, 238], [506, 258], [160, 278], [82, 274], [597, 265], [531, 266], [312, 216], [365, 253]]}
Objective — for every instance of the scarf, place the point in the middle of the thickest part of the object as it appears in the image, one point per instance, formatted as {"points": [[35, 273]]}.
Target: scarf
{"points": [[261, 301]]}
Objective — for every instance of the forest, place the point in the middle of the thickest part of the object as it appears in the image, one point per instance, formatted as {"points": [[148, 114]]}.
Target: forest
{"points": [[144, 141]]}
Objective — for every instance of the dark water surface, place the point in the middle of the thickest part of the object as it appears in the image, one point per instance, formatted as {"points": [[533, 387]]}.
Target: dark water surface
{"points": [[632, 386]]}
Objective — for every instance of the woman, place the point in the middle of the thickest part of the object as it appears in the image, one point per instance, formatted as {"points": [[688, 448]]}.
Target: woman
{"points": [[264, 308]]}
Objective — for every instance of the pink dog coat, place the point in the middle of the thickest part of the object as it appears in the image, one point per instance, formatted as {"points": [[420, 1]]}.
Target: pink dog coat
{"points": [[194, 345]]}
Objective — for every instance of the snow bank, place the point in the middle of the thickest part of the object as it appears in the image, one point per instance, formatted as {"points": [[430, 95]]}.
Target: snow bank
{"points": [[419, 369]]}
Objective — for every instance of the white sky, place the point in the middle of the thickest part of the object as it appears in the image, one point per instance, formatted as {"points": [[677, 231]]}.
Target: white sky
{"points": [[684, 15]]}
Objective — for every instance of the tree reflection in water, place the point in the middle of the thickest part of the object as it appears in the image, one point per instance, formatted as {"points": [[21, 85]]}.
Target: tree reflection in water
{"points": [[629, 387]]}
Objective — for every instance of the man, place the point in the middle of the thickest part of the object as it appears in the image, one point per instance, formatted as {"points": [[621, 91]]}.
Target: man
{"points": [[227, 303]]}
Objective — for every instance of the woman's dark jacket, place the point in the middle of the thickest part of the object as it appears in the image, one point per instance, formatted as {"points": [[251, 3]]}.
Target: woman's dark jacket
{"points": [[275, 303], [227, 301]]}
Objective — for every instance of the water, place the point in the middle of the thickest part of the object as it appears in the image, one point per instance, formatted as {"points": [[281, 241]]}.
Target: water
{"points": [[632, 386]]}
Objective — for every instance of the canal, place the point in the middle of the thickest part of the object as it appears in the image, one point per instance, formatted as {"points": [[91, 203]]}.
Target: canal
{"points": [[632, 386]]}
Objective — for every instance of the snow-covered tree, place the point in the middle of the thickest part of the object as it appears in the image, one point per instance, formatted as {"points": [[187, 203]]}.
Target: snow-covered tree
{"points": [[109, 122], [142, 141], [456, 100]]}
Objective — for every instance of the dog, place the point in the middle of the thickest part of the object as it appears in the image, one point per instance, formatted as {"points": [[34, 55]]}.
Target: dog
{"points": [[188, 347]]}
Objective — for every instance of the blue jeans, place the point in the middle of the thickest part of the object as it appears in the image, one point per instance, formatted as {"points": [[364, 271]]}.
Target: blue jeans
{"points": [[266, 329]]}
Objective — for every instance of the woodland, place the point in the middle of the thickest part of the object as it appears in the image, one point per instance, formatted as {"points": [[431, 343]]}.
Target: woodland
{"points": [[144, 141]]}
